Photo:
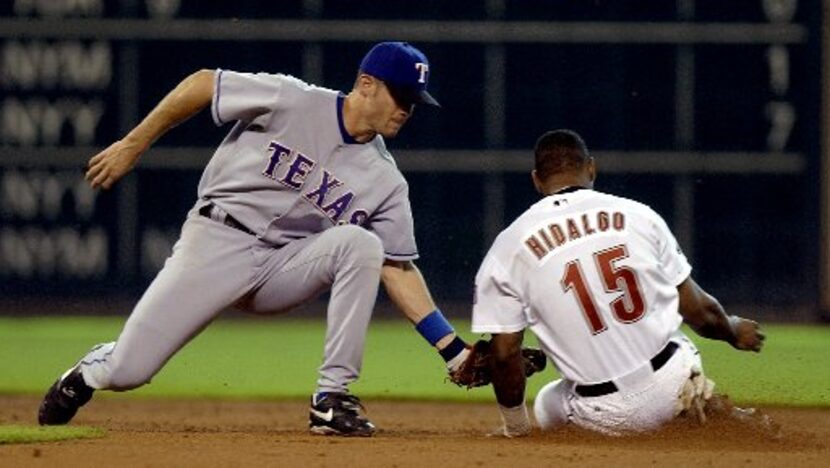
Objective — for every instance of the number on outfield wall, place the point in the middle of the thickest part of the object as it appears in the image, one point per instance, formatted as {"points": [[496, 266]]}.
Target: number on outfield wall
{"points": [[628, 307]]}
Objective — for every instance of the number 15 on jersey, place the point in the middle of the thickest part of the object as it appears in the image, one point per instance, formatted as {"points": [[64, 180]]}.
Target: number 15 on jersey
{"points": [[627, 307]]}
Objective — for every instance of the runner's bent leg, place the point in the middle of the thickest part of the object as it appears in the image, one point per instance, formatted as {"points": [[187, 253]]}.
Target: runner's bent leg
{"points": [[551, 408]]}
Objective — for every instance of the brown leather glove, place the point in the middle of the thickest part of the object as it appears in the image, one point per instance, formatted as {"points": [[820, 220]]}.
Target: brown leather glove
{"points": [[475, 371]]}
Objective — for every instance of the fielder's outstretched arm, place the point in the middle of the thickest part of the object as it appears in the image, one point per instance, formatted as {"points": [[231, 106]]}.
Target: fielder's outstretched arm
{"points": [[708, 319], [193, 94], [408, 290]]}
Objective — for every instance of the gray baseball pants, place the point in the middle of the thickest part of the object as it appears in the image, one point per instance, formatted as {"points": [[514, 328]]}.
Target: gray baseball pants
{"points": [[214, 266]]}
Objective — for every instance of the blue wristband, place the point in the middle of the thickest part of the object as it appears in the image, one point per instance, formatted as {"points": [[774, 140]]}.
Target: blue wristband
{"points": [[434, 326]]}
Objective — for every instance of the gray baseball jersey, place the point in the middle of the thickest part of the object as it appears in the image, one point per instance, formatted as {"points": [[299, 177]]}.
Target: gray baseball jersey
{"points": [[310, 210], [288, 168]]}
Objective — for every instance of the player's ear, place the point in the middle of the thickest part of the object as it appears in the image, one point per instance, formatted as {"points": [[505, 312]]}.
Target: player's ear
{"points": [[536, 182], [365, 83], [592, 170]]}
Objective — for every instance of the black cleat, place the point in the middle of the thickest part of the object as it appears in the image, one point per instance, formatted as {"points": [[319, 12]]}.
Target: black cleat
{"points": [[338, 414], [63, 399]]}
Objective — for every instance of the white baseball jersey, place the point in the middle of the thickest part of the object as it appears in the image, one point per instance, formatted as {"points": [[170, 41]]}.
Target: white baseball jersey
{"points": [[289, 169], [594, 276]]}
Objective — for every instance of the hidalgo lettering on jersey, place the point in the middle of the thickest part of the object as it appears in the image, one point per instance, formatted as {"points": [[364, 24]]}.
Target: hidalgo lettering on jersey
{"points": [[291, 168], [565, 232]]}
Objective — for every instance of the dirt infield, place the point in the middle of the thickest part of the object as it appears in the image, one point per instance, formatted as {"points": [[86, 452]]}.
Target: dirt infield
{"points": [[149, 433]]}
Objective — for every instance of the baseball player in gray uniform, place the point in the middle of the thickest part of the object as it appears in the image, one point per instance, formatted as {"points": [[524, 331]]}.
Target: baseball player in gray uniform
{"points": [[301, 197]]}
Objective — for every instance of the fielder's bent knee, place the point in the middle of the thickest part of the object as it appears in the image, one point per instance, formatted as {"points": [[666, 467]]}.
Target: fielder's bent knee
{"points": [[361, 243]]}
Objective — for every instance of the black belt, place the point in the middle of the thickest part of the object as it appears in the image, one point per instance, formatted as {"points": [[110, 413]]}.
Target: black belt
{"points": [[229, 220], [605, 388]]}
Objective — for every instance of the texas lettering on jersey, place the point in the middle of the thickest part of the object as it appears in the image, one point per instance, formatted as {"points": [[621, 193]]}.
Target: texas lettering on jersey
{"points": [[291, 168]]}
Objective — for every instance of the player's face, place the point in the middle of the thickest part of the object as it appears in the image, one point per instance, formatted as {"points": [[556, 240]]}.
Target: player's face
{"points": [[391, 110]]}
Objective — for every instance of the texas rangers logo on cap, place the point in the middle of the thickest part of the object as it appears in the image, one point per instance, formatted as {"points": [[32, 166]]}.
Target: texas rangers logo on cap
{"points": [[402, 67], [423, 69]]}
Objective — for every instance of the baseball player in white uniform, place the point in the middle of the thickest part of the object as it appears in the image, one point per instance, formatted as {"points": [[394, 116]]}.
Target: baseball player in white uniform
{"points": [[601, 282], [301, 197]]}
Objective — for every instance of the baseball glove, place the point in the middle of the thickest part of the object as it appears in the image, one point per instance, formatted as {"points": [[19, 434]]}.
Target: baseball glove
{"points": [[475, 371]]}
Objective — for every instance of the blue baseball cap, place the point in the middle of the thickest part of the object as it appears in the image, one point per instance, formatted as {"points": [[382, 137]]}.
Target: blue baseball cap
{"points": [[403, 68]]}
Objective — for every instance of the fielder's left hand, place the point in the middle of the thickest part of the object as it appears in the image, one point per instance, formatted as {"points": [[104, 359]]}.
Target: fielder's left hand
{"points": [[111, 164]]}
